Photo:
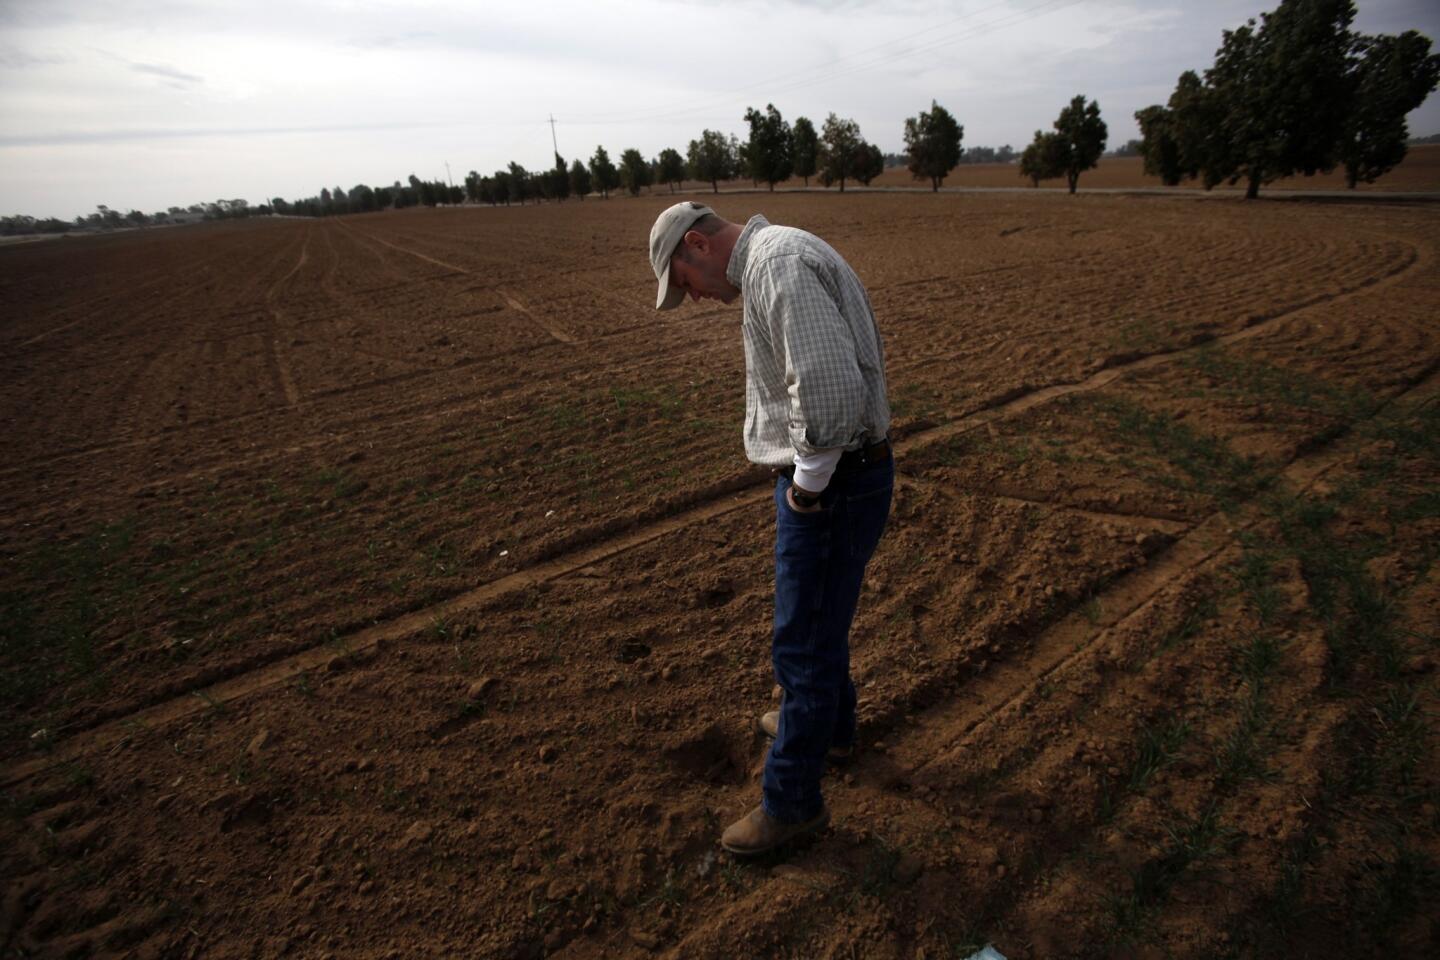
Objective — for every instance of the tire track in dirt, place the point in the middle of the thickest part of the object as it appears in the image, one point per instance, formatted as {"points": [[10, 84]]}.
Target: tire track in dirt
{"points": [[275, 359], [407, 377], [550, 328], [107, 736], [1167, 525], [1012, 403]]}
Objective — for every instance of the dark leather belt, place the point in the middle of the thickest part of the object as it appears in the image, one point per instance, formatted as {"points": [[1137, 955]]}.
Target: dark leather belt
{"points": [[866, 456], [853, 460]]}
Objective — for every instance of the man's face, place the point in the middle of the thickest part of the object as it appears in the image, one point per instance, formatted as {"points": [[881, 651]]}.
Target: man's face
{"points": [[698, 268]]}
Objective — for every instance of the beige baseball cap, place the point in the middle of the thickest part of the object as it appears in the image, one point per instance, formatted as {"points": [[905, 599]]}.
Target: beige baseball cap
{"points": [[665, 236]]}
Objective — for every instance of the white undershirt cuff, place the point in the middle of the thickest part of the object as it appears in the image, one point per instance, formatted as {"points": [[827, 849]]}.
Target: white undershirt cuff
{"points": [[813, 471]]}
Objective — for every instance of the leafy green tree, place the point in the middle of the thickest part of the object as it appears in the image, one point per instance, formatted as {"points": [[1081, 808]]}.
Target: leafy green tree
{"points": [[1044, 159], [558, 180], [714, 157], [501, 179], [769, 151], [840, 142], [634, 171], [472, 186], [603, 172], [1276, 89], [932, 141], [1082, 134], [579, 180], [804, 148], [869, 162], [1159, 145], [1389, 77], [518, 183], [671, 168], [361, 199]]}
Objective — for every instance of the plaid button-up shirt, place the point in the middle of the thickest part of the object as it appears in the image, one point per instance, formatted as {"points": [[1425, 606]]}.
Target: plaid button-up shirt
{"points": [[814, 366]]}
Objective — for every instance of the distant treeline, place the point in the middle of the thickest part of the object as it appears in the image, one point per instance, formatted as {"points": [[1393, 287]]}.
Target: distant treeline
{"points": [[1298, 93], [105, 218]]}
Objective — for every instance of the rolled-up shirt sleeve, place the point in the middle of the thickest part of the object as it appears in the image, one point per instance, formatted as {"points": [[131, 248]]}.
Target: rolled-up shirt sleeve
{"points": [[815, 345]]}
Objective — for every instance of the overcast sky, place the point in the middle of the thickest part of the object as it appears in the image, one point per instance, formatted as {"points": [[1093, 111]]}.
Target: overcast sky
{"points": [[148, 103]]}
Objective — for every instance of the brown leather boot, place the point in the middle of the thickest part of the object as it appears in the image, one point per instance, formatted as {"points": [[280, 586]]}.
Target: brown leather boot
{"points": [[770, 726], [758, 832]]}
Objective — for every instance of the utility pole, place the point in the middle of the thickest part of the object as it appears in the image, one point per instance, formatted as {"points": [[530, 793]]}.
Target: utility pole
{"points": [[553, 142], [448, 178]]}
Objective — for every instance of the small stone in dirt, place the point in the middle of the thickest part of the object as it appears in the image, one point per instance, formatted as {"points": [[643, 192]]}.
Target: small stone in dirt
{"points": [[647, 940], [366, 886], [548, 754], [164, 800], [668, 673], [909, 868], [419, 832], [301, 882], [481, 687], [1000, 871], [557, 890], [365, 765], [258, 742]]}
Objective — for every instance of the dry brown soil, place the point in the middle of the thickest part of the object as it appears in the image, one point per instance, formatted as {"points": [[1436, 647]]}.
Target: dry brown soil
{"points": [[395, 586]]}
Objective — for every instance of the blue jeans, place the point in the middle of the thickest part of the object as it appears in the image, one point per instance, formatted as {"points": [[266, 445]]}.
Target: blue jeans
{"points": [[819, 565]]}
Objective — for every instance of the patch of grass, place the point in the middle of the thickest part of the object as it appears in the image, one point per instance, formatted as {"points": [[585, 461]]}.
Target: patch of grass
{"points": [[337, 483], [55, 601], [1239, 758], [1188, 842], [1246, 377], [565, 417], [1391, 895], [1207, 462], [1403, 737], [1158, 746], [1359, 616], [1258, 658], [671, 891], [877, 873], [910, 399], [662, 403], [1413, 430], [1197, 614], [1254, 573]]}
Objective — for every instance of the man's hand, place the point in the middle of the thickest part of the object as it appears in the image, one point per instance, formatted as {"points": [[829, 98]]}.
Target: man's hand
{"points": [[790, 500]]}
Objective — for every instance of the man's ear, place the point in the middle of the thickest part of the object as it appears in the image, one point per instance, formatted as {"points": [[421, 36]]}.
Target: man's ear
{"points": [[696, 241]]}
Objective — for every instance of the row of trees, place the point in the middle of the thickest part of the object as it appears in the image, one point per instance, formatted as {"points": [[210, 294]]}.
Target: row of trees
{"points": [[104, 218], [1299, 92]]}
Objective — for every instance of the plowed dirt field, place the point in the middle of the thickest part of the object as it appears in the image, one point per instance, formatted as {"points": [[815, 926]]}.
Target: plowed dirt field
{"points": [[395, 586]]}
